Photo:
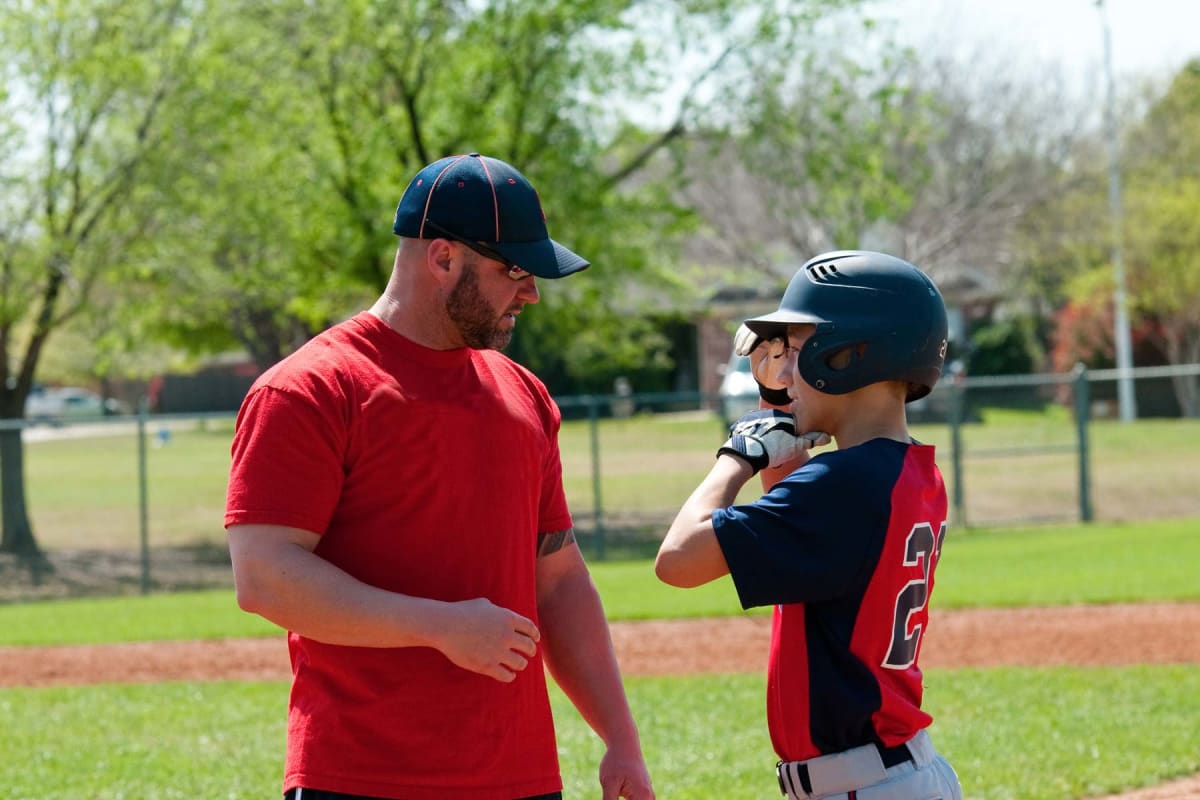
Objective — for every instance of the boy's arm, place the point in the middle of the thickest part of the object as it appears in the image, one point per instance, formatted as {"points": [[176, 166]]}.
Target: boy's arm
{"points": [[690, 555]]}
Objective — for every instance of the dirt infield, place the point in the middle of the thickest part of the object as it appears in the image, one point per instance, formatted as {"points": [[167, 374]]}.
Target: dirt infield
{"points": [[1111, 635], [1080, 635]]}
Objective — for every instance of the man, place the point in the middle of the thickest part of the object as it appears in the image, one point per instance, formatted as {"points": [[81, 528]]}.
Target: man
{"points": [[396, 504]]}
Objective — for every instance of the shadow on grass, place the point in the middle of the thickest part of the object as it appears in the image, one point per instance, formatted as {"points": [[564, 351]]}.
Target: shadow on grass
{"points": [[98, 572], [104, 572], [624, 537]]}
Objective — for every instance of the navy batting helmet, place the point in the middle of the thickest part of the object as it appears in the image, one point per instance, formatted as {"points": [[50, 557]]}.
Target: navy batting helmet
{"points": [[886, 311]]}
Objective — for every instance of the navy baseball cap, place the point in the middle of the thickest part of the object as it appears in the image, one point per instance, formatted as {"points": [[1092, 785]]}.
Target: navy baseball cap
{"points": [[486, 200]]}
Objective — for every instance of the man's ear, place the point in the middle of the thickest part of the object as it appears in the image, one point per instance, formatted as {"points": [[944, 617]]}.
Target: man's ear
{"points": [[439, 260]]}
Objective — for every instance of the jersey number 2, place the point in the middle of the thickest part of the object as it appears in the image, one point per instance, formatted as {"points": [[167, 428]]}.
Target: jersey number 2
{"points": [[921, 547]]}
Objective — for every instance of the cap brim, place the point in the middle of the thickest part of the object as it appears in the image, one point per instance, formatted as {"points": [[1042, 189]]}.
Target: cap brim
{"points": [[545, 259], [769, 325]]}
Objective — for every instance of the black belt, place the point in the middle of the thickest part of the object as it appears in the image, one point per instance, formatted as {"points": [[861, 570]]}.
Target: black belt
{"points": [[891, 756]]}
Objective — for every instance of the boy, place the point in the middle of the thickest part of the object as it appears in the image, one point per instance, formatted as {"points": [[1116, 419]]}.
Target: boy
{"points": [[843, 544]]}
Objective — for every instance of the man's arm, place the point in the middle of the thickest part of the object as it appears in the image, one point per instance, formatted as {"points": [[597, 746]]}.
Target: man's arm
{"points": [[578, 651], [279, 577]]}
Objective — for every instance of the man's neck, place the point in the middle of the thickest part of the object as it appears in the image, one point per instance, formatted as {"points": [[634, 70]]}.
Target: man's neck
{"points": [[418, 326]]}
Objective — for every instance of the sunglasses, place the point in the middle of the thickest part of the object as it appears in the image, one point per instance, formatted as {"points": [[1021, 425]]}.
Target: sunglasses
{"points": [[512, 270]]}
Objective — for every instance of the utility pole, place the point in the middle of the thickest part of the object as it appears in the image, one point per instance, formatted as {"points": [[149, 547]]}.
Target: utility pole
{"points": [[1125, 393]]}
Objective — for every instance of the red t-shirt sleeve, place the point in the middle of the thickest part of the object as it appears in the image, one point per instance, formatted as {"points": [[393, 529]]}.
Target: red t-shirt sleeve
{"points": [[287, 463], [553, 515]]}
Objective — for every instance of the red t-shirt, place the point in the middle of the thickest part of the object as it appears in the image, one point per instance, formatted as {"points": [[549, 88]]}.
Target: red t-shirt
{"points": [[428, 473]]}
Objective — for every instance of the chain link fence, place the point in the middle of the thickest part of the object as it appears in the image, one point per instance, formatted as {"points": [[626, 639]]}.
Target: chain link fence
{"points": [[135, 503]]}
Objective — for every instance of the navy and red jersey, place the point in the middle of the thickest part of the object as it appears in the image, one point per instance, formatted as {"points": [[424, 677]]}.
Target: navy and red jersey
{"points": [[845, 549]]}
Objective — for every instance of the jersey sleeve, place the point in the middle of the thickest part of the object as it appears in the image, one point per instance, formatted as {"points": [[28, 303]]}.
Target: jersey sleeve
{"points": [[287, 463], [801, 542]]}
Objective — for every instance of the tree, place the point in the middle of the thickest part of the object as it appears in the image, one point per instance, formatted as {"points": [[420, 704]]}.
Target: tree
{"points": [[320, 112], [1163, 227], [936, 159], [826, 153], [1164, 269], [1006, 347], [1161, 234], [228, 169], [87, 82]]}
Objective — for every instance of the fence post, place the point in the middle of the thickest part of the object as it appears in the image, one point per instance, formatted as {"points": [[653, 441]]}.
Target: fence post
{"points": [[958, 391], [1083, 406], [597, 506], [143, 495]]}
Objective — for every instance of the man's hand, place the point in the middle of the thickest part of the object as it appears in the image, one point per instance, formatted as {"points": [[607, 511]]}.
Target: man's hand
{"points": [[488, 639], [624, 775]]}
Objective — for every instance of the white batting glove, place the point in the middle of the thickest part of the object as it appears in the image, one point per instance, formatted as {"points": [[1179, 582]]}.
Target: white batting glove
{"points": [[745, 340], [767, 438]]}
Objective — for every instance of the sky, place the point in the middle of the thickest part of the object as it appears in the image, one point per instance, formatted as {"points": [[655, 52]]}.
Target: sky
{"points": [[1148, 36]]}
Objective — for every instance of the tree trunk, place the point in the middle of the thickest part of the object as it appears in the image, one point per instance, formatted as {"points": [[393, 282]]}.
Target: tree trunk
{"points": [[17, 534], [1185, 350]]}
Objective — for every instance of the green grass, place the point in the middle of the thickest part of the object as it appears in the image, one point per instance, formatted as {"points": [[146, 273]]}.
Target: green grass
{"points": [[1058, 565], [1032, 734], [1011, 733], [85, 492], [1141, 470], [170, 740], [1052, 565], [183, 615]]}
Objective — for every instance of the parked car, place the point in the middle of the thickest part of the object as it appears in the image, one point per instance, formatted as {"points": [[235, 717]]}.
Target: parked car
{"points": [[52, 404], [738, 392]]}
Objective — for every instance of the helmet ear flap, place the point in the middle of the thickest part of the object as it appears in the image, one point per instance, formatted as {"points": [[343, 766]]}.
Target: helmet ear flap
{"points": [[846, 357]]}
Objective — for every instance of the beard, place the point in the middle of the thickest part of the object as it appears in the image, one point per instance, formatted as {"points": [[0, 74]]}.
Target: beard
{"points": [[477, 322]]}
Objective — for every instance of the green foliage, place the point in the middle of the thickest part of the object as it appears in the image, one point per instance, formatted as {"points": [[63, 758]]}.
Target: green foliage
{"points": [[1164, 227], [1006, 347], [840, 150], [1084, 325], [284, 133], [302, 122], [594, 349], [1161, 238], [1165, 145], [89, 82]]}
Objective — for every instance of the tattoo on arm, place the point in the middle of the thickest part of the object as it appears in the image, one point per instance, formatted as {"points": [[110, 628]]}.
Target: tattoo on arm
{"points": [[552, 542]]}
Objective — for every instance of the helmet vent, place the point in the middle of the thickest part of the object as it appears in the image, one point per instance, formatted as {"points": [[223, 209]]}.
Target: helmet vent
{"points": [[823, 272]]}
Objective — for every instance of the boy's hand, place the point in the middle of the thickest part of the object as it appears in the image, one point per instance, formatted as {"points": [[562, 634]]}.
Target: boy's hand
{"points": [[745, 341], [764, 369], [767, 438]]}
